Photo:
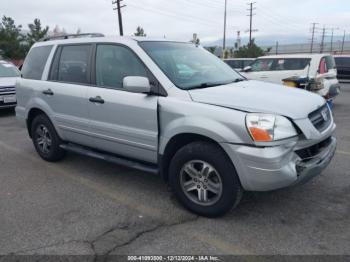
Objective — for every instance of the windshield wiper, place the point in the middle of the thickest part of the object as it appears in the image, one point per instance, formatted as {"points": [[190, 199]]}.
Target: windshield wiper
{"points": [[212, 84], [238, 80], [204, 85]]}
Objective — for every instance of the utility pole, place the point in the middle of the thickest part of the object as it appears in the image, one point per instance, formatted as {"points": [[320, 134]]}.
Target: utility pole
{"points": [[224, 40], [342, 45], [313, 36], [120, 19], [238, 43], [332, 38], [251, 8], [276, 47], [322, 41]]}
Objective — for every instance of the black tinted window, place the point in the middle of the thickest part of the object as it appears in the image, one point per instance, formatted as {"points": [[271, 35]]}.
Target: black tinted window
{"points": [[342, 61], [113, 63], [35, 62], [73, 65]]}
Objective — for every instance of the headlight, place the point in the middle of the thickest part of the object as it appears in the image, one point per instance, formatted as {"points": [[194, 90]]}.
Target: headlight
{"points": [[267, 128]]}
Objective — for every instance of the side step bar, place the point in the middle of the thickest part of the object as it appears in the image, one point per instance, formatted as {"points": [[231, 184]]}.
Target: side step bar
{"points": [[110, 158]]}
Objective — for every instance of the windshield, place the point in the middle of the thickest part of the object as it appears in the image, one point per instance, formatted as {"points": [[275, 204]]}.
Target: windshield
{"points": [[8, 70], [189, 66]]}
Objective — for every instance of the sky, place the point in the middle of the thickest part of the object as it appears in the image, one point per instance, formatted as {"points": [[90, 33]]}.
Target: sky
{"points": [[179, 19]]}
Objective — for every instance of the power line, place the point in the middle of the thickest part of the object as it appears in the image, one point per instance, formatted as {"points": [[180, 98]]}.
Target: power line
{"points": [[273, 21], [176, 15], [120, 19]]}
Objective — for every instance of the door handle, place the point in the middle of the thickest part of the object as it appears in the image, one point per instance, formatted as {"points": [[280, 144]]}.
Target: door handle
{"points": [[48, 92], [96, 99]]}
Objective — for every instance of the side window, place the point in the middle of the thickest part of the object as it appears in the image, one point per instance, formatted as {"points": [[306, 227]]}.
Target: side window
{"points": [[113, 63], [71, 64], [35, 62], [262, 65]]}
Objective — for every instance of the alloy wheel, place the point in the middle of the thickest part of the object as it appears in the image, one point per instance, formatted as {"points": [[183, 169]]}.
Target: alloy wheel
{"points": [[201, 182], [43, 139]]}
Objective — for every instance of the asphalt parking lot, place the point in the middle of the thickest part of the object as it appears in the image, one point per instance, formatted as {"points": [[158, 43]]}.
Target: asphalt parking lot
{"points": [[86, 206]]}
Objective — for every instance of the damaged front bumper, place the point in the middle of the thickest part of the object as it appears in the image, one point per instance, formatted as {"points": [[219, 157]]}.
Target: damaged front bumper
{"points": [[271, 168]]}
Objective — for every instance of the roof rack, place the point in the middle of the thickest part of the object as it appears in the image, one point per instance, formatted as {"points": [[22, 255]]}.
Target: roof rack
{"points": [[72, 36]]}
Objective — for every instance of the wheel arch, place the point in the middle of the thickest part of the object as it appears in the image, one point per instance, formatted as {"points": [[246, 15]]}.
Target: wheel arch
{"points": [[32, 113], [174, 144]]}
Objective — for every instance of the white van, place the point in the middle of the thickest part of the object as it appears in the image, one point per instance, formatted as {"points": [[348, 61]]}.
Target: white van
{"points": [[318, 68]]}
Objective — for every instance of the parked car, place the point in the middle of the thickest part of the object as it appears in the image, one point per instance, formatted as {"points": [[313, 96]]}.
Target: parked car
{"points": [[239, 63], [343, 66], [319, 70], [8, 75], [210, 134]]}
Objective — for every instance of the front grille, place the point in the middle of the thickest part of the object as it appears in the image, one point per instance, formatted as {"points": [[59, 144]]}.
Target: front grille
{"points": [[310, 152], [321, 118], [10, 90]]}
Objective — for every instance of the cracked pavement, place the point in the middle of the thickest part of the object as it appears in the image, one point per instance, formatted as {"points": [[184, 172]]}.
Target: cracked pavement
{"points": [[89, 207]]}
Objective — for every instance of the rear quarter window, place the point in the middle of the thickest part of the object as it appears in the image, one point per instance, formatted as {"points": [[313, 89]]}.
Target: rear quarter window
{"points": [[35, 62]]}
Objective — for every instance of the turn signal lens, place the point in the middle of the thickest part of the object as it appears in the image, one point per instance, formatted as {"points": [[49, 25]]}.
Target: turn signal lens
{"points": [[260, 134]]}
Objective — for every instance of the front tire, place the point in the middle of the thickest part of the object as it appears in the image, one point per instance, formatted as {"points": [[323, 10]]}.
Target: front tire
{"points": [[46, 140], [204, 179]]}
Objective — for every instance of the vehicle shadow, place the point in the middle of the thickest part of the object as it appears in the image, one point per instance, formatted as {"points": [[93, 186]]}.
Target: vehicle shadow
{"points": [[7, 112]]}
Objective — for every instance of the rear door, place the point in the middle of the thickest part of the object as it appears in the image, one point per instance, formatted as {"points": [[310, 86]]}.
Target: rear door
{"points": [[66, 92], [123, 123]]}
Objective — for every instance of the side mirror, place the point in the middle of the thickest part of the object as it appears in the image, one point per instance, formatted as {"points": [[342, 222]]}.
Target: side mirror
{"points": [[247, 69], [137, 84]]}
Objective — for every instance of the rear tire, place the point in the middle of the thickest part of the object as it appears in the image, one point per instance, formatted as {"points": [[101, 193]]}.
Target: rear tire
{"points": [[204, 179], [46, 140]]}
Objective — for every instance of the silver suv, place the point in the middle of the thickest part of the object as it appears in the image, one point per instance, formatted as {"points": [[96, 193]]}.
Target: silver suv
{"points": [[175, 109]]}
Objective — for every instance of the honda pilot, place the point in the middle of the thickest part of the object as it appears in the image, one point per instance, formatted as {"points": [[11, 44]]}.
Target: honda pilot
{"points": [[174, 109]]}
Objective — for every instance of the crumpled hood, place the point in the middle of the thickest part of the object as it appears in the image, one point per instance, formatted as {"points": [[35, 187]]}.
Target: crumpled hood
{"points": [[8, 81], [256, 96]]}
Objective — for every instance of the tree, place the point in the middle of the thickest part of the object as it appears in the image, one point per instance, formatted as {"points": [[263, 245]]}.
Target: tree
{"points": [[212, 49], [36, 32], [57, 31], [139, 31], [250, 51], [12, 43]]}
